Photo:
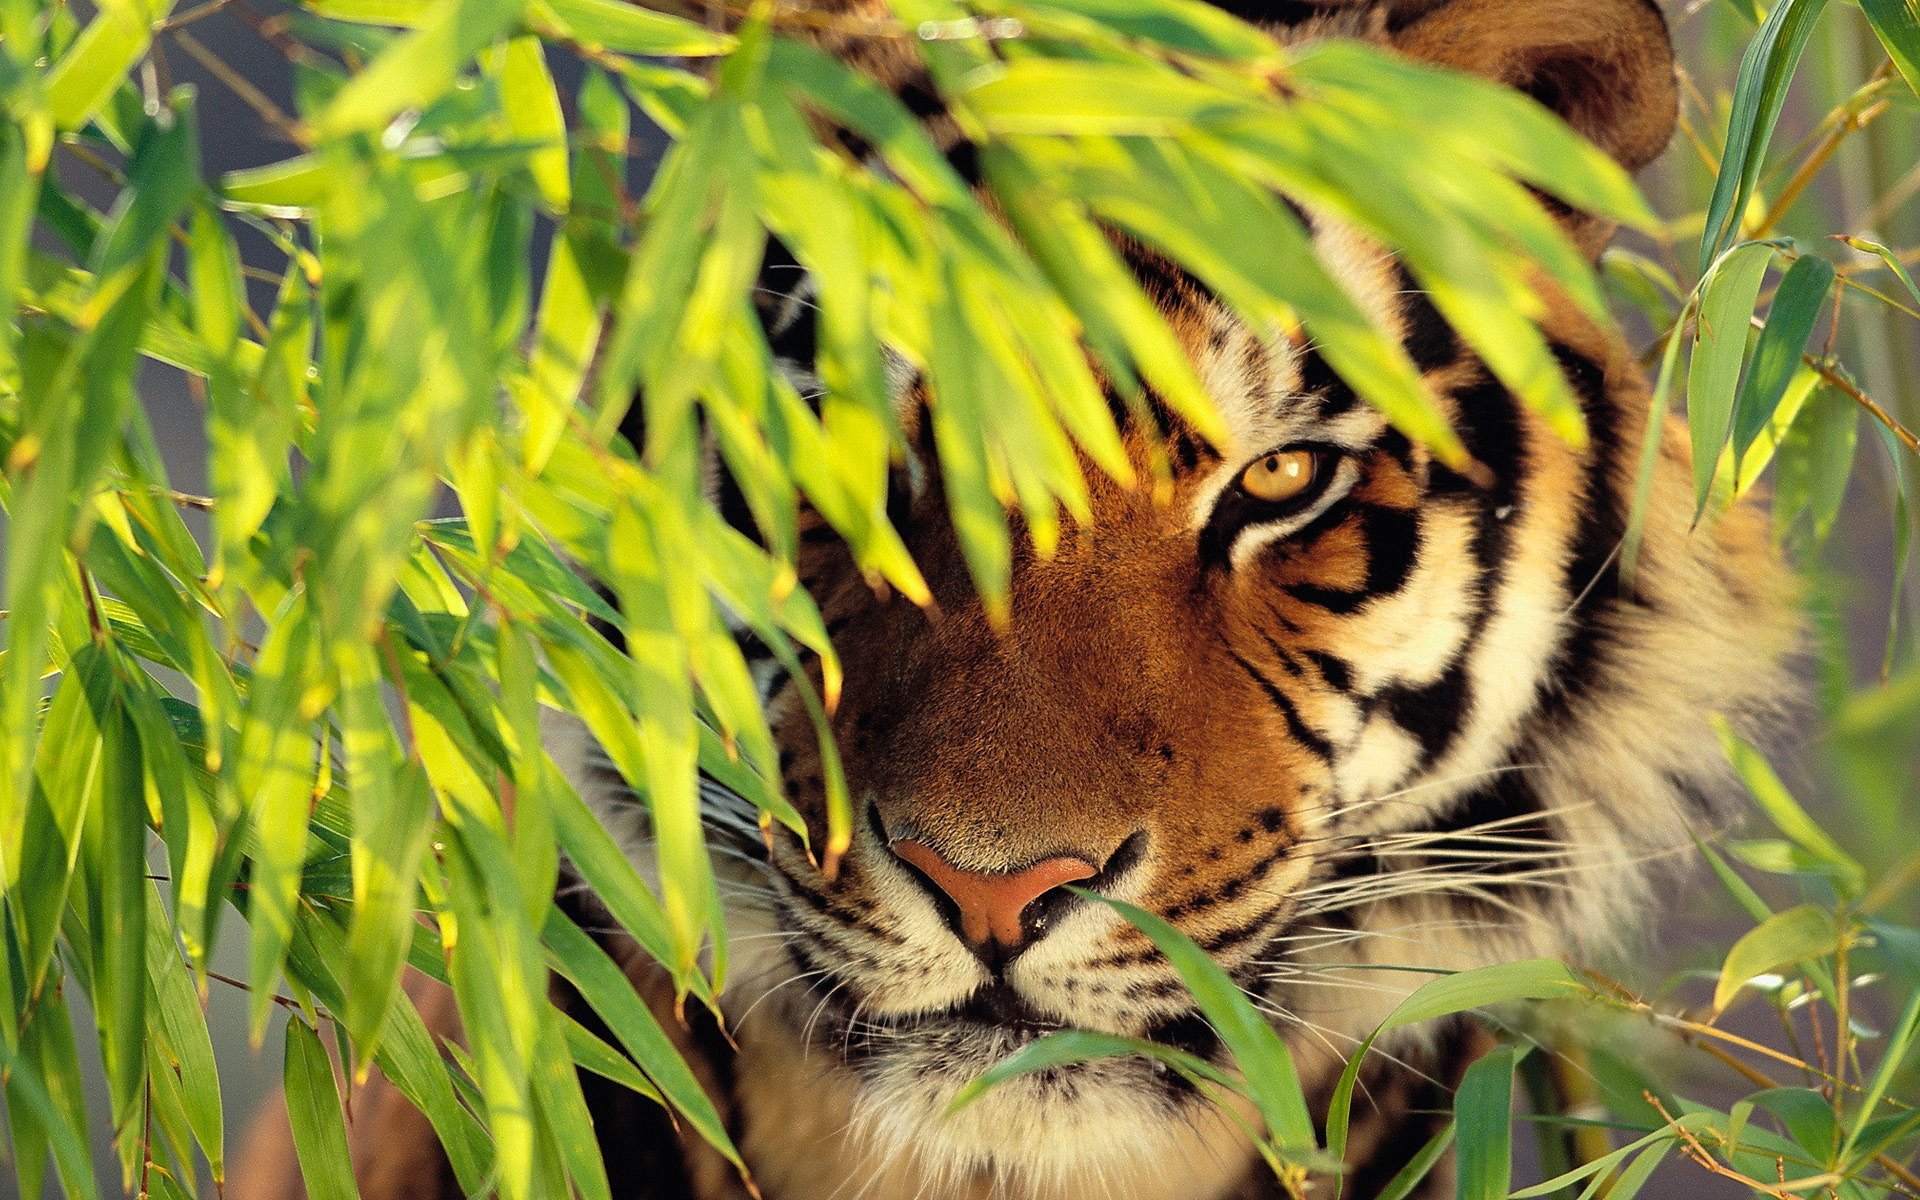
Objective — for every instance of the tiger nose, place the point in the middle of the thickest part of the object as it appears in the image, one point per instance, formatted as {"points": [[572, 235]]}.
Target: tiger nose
{"points": [[991, 902]]}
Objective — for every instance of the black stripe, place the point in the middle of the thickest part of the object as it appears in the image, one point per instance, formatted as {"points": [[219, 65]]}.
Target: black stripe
{"points": [[1329, 393], [1339, 601], [1429, 340], [1393, 546], [1489, 424], [1594, 567], [1235, 936], [1336, 671], [1391, 538], [1432, 713], [1288, 662], [1315, 744]]}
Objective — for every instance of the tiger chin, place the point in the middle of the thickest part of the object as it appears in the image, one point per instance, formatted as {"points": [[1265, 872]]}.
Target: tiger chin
{"points": [[1340, 714]]}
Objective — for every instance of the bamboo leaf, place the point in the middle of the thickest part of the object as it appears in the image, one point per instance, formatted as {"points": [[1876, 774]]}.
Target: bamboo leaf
{"points": [[1795, 935], [1256, 1048], [1482, 1112], [1719, 348], [97, 62], [1776, 358], [1784, 811], [1897, 24], [1069, 1047], [1758, 95], [1463, 991], [184, 1039], [532, 111], [313, 1108], [610, 994], [420, 66]]}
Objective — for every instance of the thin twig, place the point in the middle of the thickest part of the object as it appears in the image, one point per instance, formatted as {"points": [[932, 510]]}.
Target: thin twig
{"points": [[1699, 1154], [1829, 371], [240, 86], [1815, 162], [193, 14], [286, 1002]]}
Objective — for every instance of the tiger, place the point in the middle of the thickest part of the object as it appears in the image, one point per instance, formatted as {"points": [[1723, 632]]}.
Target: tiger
{"points": [[1340, 714]]}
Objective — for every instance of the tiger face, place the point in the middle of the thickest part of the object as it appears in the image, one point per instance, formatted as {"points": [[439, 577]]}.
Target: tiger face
{"points": [[1324, 704]]}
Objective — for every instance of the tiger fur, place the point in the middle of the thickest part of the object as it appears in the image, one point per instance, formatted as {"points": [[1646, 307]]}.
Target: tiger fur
{"points": [[1422, 722]]}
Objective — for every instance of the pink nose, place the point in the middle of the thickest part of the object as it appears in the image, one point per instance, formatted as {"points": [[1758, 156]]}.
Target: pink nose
{"points": [[990, 903]]}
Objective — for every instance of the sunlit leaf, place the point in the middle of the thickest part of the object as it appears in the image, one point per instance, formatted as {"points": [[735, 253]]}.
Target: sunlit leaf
{"points": [[1800, 933], [1719, 349], [1897, 24]]}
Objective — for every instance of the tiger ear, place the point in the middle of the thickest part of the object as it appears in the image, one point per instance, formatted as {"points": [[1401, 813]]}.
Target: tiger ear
{"points": [[1605, 66]]}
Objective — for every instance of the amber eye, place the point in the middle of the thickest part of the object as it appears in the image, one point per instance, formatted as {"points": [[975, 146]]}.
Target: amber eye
{"points": [[1281, 476]]}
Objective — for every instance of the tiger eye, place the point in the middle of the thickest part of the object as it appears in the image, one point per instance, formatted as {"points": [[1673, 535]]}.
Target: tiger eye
{"points": [[1280, 476]]}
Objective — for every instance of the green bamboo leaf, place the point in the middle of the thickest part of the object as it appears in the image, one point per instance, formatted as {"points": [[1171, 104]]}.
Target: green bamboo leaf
{"points": [[1802, 386], [531, 108], [1897, 24], [313, 1109], [57, 1122], [603, 24], [408, 1056], [958, 406], [610, 994], [1069, 1047], [1600, 1168], [630, 29], [1650, 448], [1479, 119], [1719, 348], [161, 181], [392, 824], [666, 737], [1067, 97], [1795, 935], [184, 1040], [590, 1053], [1893, 1059], [564, 336], [1891, 260], [1767, 790], [114, 848], [569, 1122], [1185, 25], [1628, 1183], [419, 67], [1758, 94], [1816, 458], [97, 62], [1483, 1124], [290, 188], [1257, 1049], [274, 778], [1776, 357], [20, 192], [1121, 325], [1462, 991], [1285, 281], [498, 979]]}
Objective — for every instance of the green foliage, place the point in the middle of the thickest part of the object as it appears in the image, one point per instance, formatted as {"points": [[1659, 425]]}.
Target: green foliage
{"points": [[322, 717]]}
